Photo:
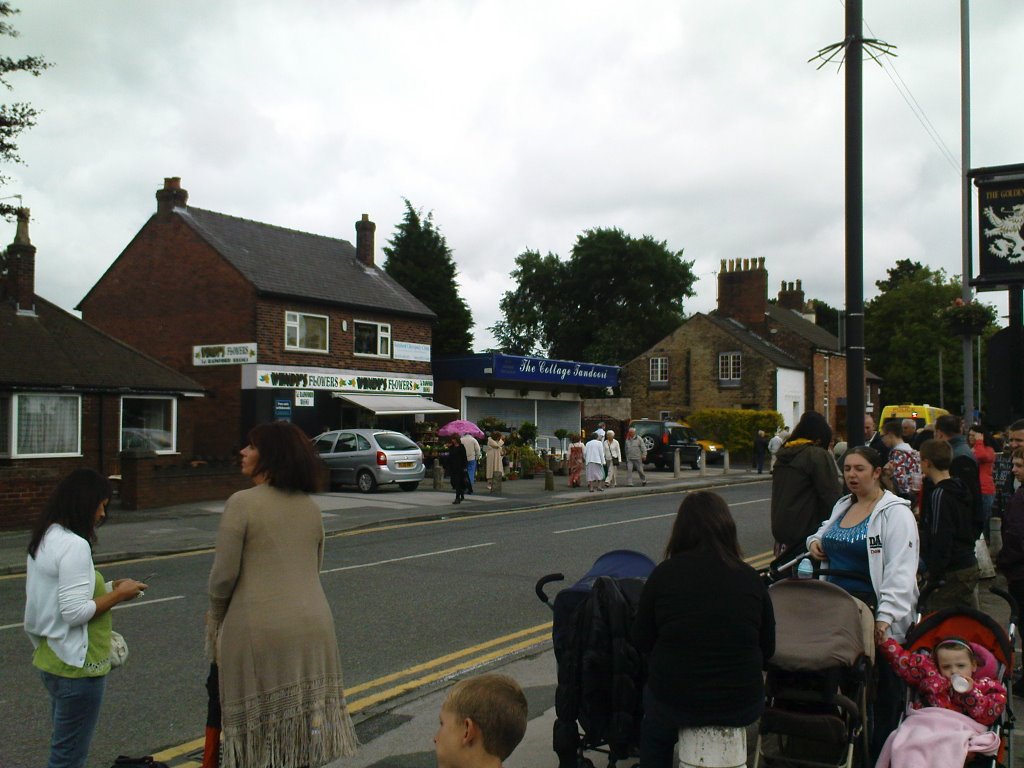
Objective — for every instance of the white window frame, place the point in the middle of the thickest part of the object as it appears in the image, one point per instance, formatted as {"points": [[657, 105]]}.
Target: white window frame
{"points": [[13, 437], [732, 363], [174, 420], [383, 338], [658, 370], [293, 320]]}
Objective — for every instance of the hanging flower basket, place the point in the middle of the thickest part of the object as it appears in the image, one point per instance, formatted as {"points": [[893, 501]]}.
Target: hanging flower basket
{"points": [[967, 318]]}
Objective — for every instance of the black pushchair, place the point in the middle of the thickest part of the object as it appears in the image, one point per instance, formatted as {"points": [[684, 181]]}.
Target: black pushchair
{"points": [[600, 674]]}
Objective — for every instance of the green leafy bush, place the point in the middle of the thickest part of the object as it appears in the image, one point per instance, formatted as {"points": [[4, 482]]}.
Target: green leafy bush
{"points": [[735, 428]]}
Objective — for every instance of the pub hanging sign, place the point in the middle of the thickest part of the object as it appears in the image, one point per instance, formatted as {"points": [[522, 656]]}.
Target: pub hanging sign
{"points": [[1001, 231]]}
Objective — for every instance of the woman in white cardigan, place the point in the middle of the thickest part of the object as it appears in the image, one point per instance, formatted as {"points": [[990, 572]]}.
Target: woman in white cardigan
{"points": [[67, 611]]}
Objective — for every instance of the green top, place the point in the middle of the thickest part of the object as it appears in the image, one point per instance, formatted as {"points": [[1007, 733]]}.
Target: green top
{"points": [[97, 657]]}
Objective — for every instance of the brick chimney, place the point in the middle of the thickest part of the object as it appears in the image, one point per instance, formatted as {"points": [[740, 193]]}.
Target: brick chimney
{"points": [[792, 296], [364, 240], [21, 268], [743, 290], [171, 196]]}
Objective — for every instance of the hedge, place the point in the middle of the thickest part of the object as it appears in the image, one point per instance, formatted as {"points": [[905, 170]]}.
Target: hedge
{"points": [[734, 427]]}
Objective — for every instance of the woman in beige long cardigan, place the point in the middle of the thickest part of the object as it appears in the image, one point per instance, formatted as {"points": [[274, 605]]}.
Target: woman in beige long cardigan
{"points": [[495, 450], [269, 626]]}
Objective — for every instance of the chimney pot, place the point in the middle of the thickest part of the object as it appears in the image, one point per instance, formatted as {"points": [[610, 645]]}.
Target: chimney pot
{"points": [[21, 267], [171, 196]]}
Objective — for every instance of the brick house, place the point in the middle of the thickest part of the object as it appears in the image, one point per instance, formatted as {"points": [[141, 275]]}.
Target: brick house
{"points": [[713, 362], [785, 326], [71, 396], [274, 323]]}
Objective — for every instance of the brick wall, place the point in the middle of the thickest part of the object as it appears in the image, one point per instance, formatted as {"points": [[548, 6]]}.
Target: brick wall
{"points": [[743, 290], [692, 351], [23, 493]]}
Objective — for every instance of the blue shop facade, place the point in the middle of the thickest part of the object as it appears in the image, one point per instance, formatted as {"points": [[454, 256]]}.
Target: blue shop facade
{"points": [[515, 389]]}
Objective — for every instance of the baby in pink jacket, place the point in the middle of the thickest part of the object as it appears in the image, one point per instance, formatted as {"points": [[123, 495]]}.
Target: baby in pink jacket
{"points": [[948, 678]]}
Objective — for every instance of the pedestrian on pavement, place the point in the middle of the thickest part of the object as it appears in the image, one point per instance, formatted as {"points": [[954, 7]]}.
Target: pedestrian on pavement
{"points": [[458, 461], [873, 439], [636, 455], [949, 428], [483, 720], [576, 463], [269, 626], [1010, 560], [981, 443], [67, 611], [873, 533], [903, 469], [613, 456], [775, 444], [495, 450], [805, 485], [1002, 474], [473, 455], [593, 455], [909, 429], [706, 627], [947, 539], [760, 449]]}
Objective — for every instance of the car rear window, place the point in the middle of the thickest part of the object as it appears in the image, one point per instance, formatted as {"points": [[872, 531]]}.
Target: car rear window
{"points": [[680, 434], [392, 441]]}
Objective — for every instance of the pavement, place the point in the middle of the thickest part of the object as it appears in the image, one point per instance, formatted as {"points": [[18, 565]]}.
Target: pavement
{"points": [[398, 733]]}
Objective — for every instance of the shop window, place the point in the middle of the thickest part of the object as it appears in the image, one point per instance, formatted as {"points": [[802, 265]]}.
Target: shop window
{"points": [[729, 369], [149, 424], [659, 370], [372, 339], [44, 425], [305, 333]]}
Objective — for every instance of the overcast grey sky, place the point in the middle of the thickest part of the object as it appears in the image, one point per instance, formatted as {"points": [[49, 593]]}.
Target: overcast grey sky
{"points": [[518, 123]]}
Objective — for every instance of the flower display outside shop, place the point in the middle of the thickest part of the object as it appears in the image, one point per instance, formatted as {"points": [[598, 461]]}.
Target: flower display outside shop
{"points": [[967, 318]]}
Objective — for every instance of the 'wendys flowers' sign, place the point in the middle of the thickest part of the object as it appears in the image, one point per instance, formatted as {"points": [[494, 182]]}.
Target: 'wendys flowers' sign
{"points": [[342, 382]]}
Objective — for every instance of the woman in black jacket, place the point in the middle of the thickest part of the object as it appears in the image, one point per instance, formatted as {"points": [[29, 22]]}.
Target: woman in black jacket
{"points": [[457, 464], [706, 625]]}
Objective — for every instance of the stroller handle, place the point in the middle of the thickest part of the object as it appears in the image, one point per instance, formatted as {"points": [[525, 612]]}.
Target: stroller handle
{"points": [[542, 582], [1010, 600]]}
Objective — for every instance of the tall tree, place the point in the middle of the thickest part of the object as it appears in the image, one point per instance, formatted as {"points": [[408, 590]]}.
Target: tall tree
{"points": [[419, 258], [16, 117], [906, 338], [613, 298]]}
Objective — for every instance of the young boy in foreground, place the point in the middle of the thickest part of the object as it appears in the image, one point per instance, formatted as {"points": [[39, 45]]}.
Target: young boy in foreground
{"points": [[482, 720]]}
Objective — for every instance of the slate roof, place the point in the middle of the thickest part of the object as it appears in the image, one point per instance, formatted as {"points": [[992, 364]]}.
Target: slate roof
{"points": [[800, 325], [56, 350], [286, 262], [745, 336]]}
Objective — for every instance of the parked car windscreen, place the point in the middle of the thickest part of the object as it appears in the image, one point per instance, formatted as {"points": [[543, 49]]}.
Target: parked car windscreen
{"points": [[393, 441]]}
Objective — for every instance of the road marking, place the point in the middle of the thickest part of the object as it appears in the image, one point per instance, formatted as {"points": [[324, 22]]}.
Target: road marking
{"points": [[644, 519], [407, 557], [447, 658], [132, 604]]}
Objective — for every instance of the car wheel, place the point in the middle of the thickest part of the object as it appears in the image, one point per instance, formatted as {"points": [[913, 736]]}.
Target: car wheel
{"points": [[366, 481], [695, 464], [409, 486], [648, 443]]}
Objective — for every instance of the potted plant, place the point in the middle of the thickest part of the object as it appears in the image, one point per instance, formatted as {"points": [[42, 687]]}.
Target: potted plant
{"points": [[966, 318]]}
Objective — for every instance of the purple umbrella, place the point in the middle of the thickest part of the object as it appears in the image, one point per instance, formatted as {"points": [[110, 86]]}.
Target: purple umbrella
{"points": [[461, 427]]}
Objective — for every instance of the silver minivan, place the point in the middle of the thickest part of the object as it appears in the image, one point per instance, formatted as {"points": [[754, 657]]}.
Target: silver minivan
{"points": [[367, 458]]}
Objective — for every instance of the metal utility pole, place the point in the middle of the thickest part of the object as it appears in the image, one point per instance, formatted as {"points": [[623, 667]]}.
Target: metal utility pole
{"points": [[967, 343], [855, 394]]}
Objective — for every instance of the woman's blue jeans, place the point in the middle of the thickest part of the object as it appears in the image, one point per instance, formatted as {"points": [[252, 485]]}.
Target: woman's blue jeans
{"points": [[75, 709]]}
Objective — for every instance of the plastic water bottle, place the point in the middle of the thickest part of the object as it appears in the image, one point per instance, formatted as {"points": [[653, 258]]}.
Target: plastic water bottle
{"points": [[804, 569]]}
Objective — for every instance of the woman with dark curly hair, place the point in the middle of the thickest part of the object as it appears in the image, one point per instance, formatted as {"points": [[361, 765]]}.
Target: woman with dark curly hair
{"points": [[269, 627]]}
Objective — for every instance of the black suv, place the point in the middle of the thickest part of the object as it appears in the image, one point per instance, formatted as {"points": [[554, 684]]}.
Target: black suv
{"points": [[663, 437]]}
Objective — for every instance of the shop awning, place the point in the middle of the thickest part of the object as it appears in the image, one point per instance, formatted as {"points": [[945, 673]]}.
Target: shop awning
{"points": [[395, 405]]}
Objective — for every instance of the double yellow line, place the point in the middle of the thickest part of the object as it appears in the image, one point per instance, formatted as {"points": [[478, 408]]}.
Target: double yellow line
{"points": [[398, 683]]}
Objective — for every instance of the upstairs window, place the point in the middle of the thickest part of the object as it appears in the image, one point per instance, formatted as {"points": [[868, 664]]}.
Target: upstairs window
{"points": [[659, 370], [305, 333], [730, 366], [372, 339]]}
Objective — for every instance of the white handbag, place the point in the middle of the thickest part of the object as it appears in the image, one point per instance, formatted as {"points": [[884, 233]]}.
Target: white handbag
{"points": [[118, 649]]}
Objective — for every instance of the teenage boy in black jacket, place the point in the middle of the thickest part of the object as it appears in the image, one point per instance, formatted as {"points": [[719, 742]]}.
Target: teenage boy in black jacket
{"points": [[947, 531]]}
